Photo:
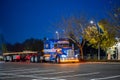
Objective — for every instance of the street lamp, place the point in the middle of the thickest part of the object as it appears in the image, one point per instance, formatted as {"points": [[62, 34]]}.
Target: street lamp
{"points": [[57, 34], [92, 22]]}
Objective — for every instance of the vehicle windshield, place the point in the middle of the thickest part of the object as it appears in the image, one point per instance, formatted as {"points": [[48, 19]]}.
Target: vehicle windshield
{"points": [[61, 45]]}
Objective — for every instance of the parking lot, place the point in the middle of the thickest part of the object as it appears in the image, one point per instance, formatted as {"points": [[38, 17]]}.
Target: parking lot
{"points": [[51, 71]]}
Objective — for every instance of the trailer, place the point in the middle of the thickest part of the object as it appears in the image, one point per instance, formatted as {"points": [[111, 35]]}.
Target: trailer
{"points": [[20, 56]]}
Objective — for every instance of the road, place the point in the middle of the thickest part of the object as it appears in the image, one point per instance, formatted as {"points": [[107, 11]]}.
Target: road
{"points": [[51, 71]]}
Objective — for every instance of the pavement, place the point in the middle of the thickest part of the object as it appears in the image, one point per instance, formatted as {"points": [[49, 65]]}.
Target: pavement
{"points": [[66, 71]]}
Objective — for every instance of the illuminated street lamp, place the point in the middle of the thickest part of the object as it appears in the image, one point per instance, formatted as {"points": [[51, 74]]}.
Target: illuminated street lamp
{"points": [[92, 22], [57, 34]]}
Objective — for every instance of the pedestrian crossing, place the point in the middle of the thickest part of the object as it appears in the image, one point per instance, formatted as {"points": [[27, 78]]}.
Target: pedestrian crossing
{"points": [[31, 73], [38, 74], [46, 71]]}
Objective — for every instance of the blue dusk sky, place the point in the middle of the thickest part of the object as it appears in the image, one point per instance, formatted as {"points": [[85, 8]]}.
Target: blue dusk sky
{"points": [[23, 19]]}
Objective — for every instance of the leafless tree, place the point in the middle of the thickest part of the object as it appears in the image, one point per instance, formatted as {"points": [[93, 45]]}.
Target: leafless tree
{"points": [[114, 17], [73, 29]]}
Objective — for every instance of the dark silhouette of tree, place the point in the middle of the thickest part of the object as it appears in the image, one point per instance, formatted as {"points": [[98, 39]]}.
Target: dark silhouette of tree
{"points": [[18, 47], [33, 44], [2, 44], [10, 47], [29, 44]]}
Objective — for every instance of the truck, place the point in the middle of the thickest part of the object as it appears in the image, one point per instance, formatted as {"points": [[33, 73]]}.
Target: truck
{"points": [[59, 50], [55, 50]]}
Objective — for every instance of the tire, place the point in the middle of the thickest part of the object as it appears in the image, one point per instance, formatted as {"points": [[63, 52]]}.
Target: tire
{"points": [[32, 59], [11, 59], [41, 59], [5, 59], [57, 60], [36, 59]]}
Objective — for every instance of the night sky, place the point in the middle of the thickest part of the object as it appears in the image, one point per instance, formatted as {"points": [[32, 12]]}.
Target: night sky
{"points": [[23, 19]]}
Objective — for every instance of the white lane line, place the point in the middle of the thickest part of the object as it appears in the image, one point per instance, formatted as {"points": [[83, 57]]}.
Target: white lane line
{"points": [[7, 74], [56, 72], [12, 68], [94, 73], [110, 77], [40, 71], [16, 68], [22, 70], [19, 76], [29, 76], [27, 72], [48, 79], [60, 77]]}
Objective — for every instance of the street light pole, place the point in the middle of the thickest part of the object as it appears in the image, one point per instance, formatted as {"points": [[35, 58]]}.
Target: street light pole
{"points": [[57, 34], [98, 43], [91, 22]]}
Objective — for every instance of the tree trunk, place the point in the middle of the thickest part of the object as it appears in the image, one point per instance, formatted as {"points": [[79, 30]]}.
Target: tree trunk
{"points": [[81, 51]]}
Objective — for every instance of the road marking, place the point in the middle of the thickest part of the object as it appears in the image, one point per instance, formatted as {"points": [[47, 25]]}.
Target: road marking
{"points": [[59, 78], [78, 75], [6, 74], [49, 79], [20, 72], [12, 68], [56, 72], [36, 71], [44, 78], [110, 77], [28, 76], [28, 70]]}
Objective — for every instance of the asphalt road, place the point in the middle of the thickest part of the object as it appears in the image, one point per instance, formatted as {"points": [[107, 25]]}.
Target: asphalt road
{"points": [[51, 71]]}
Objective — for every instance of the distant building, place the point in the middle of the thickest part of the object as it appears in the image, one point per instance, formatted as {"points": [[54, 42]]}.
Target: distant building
{"points": [[114, 52]]}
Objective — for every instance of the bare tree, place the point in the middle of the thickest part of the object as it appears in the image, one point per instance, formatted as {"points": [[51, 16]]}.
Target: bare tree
{"points": [[73, 28], [114, 17]]}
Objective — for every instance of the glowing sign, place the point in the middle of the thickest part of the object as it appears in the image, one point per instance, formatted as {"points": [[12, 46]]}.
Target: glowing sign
{"points": [[50, 50], [63, 42]]}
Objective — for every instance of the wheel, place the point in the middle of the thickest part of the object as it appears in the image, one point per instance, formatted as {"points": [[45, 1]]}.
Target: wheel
{"points": [[36, 59], [57, 60], [41, 59], [5, 59], [46, 59], [32, 59], [10, 58]]}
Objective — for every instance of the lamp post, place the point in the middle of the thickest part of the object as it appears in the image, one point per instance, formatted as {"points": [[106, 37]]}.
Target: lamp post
{"points": [[98, 43], [57, 34], [92, 22]]}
